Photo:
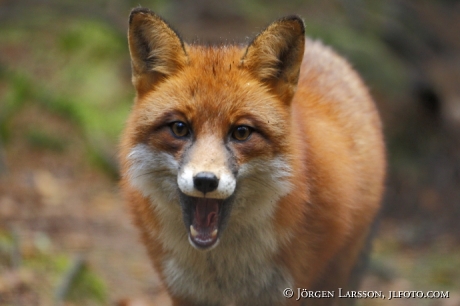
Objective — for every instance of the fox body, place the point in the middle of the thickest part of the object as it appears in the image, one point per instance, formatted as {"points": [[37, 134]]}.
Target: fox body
{"points": [[250, 169]]}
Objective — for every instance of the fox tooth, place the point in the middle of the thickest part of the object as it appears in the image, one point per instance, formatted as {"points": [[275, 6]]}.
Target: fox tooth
{"points": [[214, 233], [193, 231]]}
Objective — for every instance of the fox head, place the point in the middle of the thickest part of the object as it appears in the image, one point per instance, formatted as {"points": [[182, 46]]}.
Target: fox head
{"points": [[209, 136]]}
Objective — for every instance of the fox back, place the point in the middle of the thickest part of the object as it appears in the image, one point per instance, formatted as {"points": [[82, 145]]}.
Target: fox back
{"points": [[249, 169]]}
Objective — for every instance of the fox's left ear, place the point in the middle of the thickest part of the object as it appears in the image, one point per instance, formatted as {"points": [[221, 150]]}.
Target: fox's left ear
{"points": [[275, 55]]}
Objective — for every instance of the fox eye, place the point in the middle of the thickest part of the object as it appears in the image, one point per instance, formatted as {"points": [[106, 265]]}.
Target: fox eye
{"points": [[241, 132], [179, 129]]}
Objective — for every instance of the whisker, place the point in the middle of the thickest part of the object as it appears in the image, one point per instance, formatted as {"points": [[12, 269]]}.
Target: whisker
{"points": [[156, 171]]}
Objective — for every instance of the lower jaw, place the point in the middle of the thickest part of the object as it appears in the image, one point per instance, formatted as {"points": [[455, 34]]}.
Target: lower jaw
{"points": [[202, 247]]}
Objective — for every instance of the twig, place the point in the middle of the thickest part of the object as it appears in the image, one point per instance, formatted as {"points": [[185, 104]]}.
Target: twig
{"points": [[16, 258], [68, 279]]}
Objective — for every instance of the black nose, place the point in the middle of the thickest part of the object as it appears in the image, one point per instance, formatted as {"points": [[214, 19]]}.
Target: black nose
{"points": [[205, 182]]}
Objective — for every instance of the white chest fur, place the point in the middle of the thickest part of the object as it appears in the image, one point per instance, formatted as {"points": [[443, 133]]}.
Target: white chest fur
{"points": [[239, 269]]}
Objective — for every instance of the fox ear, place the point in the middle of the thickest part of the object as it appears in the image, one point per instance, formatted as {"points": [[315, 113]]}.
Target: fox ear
{"points": [[275, 56], [156, 50]]}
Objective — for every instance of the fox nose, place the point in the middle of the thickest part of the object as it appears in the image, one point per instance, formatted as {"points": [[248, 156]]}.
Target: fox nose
{"points": [[205, 182]]}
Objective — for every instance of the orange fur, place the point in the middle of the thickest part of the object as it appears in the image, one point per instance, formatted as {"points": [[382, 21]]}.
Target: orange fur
{"points": [[308, 180]]}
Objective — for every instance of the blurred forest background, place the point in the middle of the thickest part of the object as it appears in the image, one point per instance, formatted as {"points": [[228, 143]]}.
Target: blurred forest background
{"points": [[65, 91]]}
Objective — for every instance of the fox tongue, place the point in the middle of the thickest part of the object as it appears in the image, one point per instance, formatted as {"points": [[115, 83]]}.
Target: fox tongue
{"points": [[206, 213], [203, 230]]}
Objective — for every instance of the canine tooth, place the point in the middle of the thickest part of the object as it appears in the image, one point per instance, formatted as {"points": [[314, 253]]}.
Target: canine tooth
{"points": [[193, 231], [214, 233]]}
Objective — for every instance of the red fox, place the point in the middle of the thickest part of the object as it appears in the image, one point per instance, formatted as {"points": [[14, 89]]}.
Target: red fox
{"points": [[249, 170]]}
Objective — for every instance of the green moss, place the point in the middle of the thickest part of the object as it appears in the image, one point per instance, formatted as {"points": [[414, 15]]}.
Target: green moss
{"points": [[87, 86], [44, 140], [367, 53], [87, 285], [437, 268]]}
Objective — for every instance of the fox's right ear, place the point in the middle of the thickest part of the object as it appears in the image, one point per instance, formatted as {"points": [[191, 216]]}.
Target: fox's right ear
{"points": [[156, 49]]}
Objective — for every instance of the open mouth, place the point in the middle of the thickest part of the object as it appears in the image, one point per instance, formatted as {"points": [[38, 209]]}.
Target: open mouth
{"points": [[203, 218]]}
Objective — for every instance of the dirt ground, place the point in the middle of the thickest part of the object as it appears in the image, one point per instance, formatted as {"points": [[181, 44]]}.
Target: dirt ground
{"points": [[55, 203]]}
